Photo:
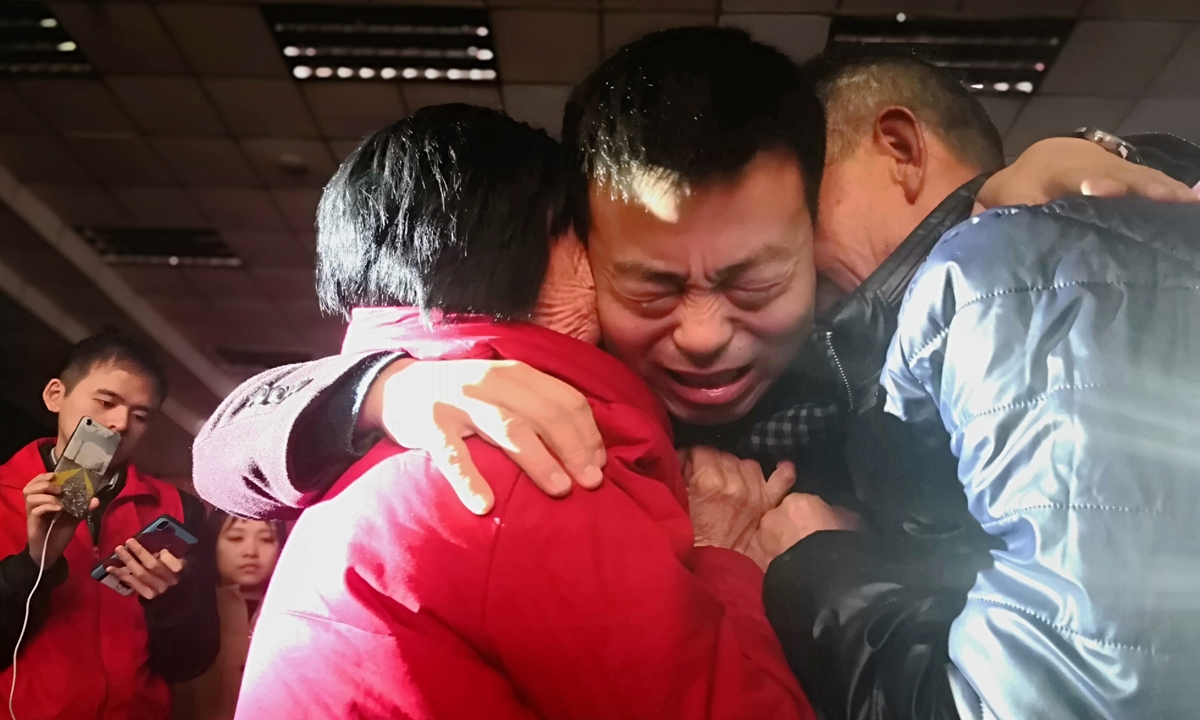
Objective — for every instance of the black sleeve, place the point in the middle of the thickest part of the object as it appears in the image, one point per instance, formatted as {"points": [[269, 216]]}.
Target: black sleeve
{"points": [[185, 631], [865, 626], [283, 437], [18, 574], [1170, 155], [865, 618]]}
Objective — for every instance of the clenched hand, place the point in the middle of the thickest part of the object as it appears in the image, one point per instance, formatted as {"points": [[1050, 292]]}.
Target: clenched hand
{"points": [[727, 497], [797, 517]]}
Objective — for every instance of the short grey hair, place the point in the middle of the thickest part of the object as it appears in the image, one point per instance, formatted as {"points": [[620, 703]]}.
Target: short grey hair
{"points": [[854, 91]]}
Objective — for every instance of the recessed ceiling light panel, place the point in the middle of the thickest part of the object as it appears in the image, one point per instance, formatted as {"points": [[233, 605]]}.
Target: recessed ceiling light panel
{"points": [[160, 246], [33, 42], [331, 43], [996, 57]]}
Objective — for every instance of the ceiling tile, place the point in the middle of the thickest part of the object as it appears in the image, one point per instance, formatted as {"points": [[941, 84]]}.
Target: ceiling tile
{"points": [[623, 27], [121, 38], [418, 95], [1144, 9], [237, 209], [16, 115], [262, 108], [800, 36], [538, 105], [249, 313], [1002, 110], [299, 207], [160, 207], [704, 6], [553, 4], [269, 249], [1181, 77], [75, 105], [229, 283], [1113, 58], [207, 162], [909, 6], [40, 158], [326, 339], [269, 330], [121, 161], [1047, 116], [289, 285], [1022, 8], [437, 3], [1178, 116], [300, 310], [290, 163], [167, 105], [224, 40], [156, 280], [183, 309], [341, 149], [80, 205], [546, 46], [779, 6], [353, 109]]}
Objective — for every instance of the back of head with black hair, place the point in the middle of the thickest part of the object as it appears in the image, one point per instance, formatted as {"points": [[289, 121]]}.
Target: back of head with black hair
{"points": [[450, 210], [112, 348], [855, 90], [688, 106]]}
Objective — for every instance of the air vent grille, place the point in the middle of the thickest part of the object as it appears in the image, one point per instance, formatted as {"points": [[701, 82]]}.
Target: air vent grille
{"points": [[32, 42], [993, 57], [160, 246], [384, 43]]}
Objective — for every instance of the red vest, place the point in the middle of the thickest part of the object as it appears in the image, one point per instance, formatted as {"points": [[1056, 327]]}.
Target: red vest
{"points": [[91, 657]]}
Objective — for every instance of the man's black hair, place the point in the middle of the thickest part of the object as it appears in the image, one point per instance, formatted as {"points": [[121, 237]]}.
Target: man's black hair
{"points": [[112, 348], [855, 89], [689, 106], [450, 210]]}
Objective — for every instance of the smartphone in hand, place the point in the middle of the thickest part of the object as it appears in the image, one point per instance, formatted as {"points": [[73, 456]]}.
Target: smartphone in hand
{"points": [[84, 462], [165, 533]]}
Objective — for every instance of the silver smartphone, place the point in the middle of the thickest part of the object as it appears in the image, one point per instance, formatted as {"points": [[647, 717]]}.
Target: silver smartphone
{"points": [[84, 464]]}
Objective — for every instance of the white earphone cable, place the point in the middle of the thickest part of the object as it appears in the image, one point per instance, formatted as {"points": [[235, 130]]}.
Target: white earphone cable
{"points": [[12, 693]]}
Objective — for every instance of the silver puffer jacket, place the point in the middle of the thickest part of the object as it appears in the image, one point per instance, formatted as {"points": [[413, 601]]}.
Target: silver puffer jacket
{"points": [[1059, 346]]}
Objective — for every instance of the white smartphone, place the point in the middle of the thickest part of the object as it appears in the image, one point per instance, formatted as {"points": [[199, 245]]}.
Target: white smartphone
{"points": [[83, 465]]}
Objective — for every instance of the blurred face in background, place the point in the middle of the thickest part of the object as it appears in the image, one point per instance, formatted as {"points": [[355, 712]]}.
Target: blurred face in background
{"points": [[247, 551]]}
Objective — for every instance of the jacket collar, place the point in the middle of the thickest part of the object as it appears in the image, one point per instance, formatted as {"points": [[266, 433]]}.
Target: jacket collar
{"points": [[851, 340], [585, 367], [890, 280]]}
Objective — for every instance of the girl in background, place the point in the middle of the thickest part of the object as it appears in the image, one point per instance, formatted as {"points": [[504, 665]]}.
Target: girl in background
{"points": [[246, 554]]}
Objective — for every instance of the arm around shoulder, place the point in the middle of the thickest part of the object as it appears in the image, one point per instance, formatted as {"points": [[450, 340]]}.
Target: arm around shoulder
{"points": [[284, 436]]}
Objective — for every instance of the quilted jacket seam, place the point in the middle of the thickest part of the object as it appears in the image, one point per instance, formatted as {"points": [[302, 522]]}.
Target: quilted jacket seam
{"points": [[941, 334], [1066, 631], [1035, 400], [1091, 507]]}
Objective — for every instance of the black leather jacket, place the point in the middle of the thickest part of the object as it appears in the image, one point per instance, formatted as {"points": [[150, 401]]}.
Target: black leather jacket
{"points": [[865, 617]]}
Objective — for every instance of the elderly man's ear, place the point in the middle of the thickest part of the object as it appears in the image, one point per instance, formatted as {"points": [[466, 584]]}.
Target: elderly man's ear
{"points": [[898, 136]]}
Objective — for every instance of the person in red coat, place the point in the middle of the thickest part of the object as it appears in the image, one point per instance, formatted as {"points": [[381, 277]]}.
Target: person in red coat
{"points": [[87, 652], [392, 600]]}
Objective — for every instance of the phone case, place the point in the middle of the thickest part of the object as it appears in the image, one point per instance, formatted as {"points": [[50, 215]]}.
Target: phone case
{"points": [[165, 533], [83, 464]]}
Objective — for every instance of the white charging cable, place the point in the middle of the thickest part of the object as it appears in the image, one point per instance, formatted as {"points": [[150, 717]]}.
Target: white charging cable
{"points": [[12, 693]]}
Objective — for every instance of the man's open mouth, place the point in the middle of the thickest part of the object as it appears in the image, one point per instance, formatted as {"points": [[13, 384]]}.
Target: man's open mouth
{"points": [[709, 380]]}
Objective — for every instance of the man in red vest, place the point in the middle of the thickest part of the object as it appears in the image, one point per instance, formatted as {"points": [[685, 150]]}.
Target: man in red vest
{"points": [[87, 651]]}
